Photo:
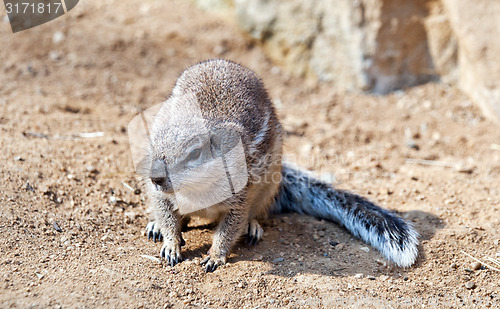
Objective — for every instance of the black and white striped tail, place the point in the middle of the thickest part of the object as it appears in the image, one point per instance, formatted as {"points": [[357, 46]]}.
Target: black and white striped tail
{"points": [[382, 229]]}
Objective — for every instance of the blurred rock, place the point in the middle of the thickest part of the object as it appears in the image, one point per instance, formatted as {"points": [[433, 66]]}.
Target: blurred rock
{"points": [[376, 45], [443, 45], [477, 27], [380, 45]]}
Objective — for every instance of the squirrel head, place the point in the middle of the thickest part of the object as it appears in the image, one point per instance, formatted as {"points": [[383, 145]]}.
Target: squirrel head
{"points": [[197, 159]]}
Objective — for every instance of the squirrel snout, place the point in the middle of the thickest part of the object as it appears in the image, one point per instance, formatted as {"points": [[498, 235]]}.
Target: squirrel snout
{"points": [[159, 175]]}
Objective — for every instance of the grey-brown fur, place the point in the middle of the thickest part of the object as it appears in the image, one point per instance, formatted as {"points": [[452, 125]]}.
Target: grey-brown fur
{"points": [[232, 99]]}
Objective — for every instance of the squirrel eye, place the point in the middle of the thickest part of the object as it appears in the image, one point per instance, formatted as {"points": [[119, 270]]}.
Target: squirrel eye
{"points": [[194, 155]]}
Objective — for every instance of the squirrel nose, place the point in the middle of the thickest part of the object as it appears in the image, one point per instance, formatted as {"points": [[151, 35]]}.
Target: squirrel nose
{"points": [[158, 172], [158, 180]]}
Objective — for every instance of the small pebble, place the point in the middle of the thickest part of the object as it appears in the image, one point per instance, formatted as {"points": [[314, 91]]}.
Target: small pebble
{"points": [[381, 262], [412, 145], [333, 243], [278, 260], [358, 276], [129, 216], [470, 285], [453, 265], [219, 49], [315, 237], [258, 258], [384, 191], [173, 294], [112, 199], [476, 265], [56, 227], [365, 249], [18, 158], [449, 201], [54, 55], [57, 37], [467, 168], [370, 278], [421, 197], [90, 168]]}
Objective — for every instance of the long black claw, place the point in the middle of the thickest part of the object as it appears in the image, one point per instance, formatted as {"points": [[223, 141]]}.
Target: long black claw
{"points": [[210, 267], [150, 234], [157, 236], [251, 240]]}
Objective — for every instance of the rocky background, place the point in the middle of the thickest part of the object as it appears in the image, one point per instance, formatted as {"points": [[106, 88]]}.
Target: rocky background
{"points": [[380, 45]]}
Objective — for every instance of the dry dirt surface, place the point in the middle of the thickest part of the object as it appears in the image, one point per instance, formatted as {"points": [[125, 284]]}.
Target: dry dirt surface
{"points": [[72, 215]]}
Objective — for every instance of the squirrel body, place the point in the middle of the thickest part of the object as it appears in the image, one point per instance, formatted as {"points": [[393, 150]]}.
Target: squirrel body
{"points": [[216, 152]]}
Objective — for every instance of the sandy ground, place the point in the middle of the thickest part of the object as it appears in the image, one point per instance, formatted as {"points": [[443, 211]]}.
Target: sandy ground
{"points": [[72, 233]]}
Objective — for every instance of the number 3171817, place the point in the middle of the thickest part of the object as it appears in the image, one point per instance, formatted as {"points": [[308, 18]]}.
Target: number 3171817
{"points": [[33, 8]]}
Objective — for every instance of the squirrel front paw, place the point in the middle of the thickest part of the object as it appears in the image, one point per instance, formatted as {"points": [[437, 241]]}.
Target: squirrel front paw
{"points": [[171, 253], [153, 232], [211, 263]]}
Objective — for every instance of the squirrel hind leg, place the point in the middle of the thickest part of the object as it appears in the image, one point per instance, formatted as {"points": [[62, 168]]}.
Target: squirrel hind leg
{"points": [[255, 232]]}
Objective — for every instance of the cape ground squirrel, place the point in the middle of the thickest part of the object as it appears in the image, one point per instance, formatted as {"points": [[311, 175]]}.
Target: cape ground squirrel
{"points": [[215, 151]]}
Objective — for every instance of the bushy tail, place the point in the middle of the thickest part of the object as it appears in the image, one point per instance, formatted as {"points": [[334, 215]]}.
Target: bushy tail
{"points": [[380, 228]]}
